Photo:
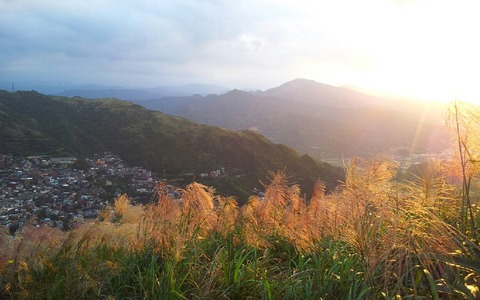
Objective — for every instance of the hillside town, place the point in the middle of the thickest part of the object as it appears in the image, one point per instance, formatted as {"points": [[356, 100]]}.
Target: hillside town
{"points": [[61, 191]]}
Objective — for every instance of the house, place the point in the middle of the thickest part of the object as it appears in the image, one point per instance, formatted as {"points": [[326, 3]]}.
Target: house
{"points": [[63, 160]]}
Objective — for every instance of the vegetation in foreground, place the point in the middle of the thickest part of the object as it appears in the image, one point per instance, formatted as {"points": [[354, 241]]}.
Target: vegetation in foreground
{"points": [[373, 238]]}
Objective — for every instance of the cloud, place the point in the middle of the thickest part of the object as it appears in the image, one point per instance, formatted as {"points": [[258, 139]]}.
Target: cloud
{"points": [[112, 35], [247, 43]]}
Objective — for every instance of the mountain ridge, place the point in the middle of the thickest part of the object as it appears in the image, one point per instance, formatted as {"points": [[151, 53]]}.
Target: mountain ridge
{"points": [[123, 93], [318, 119], [32, 123]]}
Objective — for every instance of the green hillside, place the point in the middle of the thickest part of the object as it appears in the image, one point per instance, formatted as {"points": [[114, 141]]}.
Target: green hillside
{"points": [[32, 123]]}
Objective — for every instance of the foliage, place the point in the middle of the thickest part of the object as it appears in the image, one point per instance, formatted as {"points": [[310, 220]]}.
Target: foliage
{"points": [[373, 238], [464, 119]]}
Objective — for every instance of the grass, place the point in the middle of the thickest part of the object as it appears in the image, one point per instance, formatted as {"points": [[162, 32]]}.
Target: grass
{"points": [[373, 238]]}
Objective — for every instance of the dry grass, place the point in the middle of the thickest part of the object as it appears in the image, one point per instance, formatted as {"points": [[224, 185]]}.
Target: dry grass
{"points": [[170, 224], [323, 214], [376, 216], [369, 212], [198, 211], [31, 243], [121, 205], [392, 227], [227, 215]]}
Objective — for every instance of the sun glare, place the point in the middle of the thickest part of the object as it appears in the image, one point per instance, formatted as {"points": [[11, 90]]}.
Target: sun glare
{"points": [[425, 50]]}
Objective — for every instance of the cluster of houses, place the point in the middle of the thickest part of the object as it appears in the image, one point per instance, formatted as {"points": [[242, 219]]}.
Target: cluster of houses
{"points": [[214, 173], [60, 191], [53, 191]]}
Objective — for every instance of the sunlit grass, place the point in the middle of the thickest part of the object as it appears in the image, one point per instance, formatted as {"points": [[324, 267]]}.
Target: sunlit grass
{"points": [[373, 238]]}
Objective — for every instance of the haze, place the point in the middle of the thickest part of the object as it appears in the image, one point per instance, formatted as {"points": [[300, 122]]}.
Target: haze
{"points": [[421, 49]]}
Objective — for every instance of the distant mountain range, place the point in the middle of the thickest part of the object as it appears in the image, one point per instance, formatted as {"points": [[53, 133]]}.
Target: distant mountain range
{"points": [[93, 92], [319, 119], [33, 124]]}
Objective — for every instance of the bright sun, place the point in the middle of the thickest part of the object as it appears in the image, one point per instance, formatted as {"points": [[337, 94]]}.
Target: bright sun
{"points": [[431, 52], [422, 49], [442, 52]]}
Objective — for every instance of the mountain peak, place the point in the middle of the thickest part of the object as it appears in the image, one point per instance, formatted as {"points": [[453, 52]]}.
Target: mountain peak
{"points": [[298, 84], [237, 93], [305, 83], [312, 92], [300, 81]]}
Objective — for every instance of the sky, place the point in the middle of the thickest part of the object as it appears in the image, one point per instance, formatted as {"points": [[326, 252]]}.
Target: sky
{"points": [[416, 48]]}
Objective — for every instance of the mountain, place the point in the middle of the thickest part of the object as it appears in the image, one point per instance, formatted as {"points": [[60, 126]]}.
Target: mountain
{"points": [[311, 92], [33, 124], [142, 93], [318, 119]]}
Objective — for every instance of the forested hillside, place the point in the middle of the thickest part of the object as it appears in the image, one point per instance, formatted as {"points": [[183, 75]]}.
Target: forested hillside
{"points": [[33, 124]]}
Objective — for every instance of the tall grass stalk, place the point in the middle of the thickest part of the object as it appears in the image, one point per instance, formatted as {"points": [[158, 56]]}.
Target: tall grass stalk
{"points": [[373, 238]]}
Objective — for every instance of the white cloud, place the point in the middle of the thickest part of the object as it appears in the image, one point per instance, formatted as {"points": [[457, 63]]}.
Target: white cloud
{"points": [[390, 45]]}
